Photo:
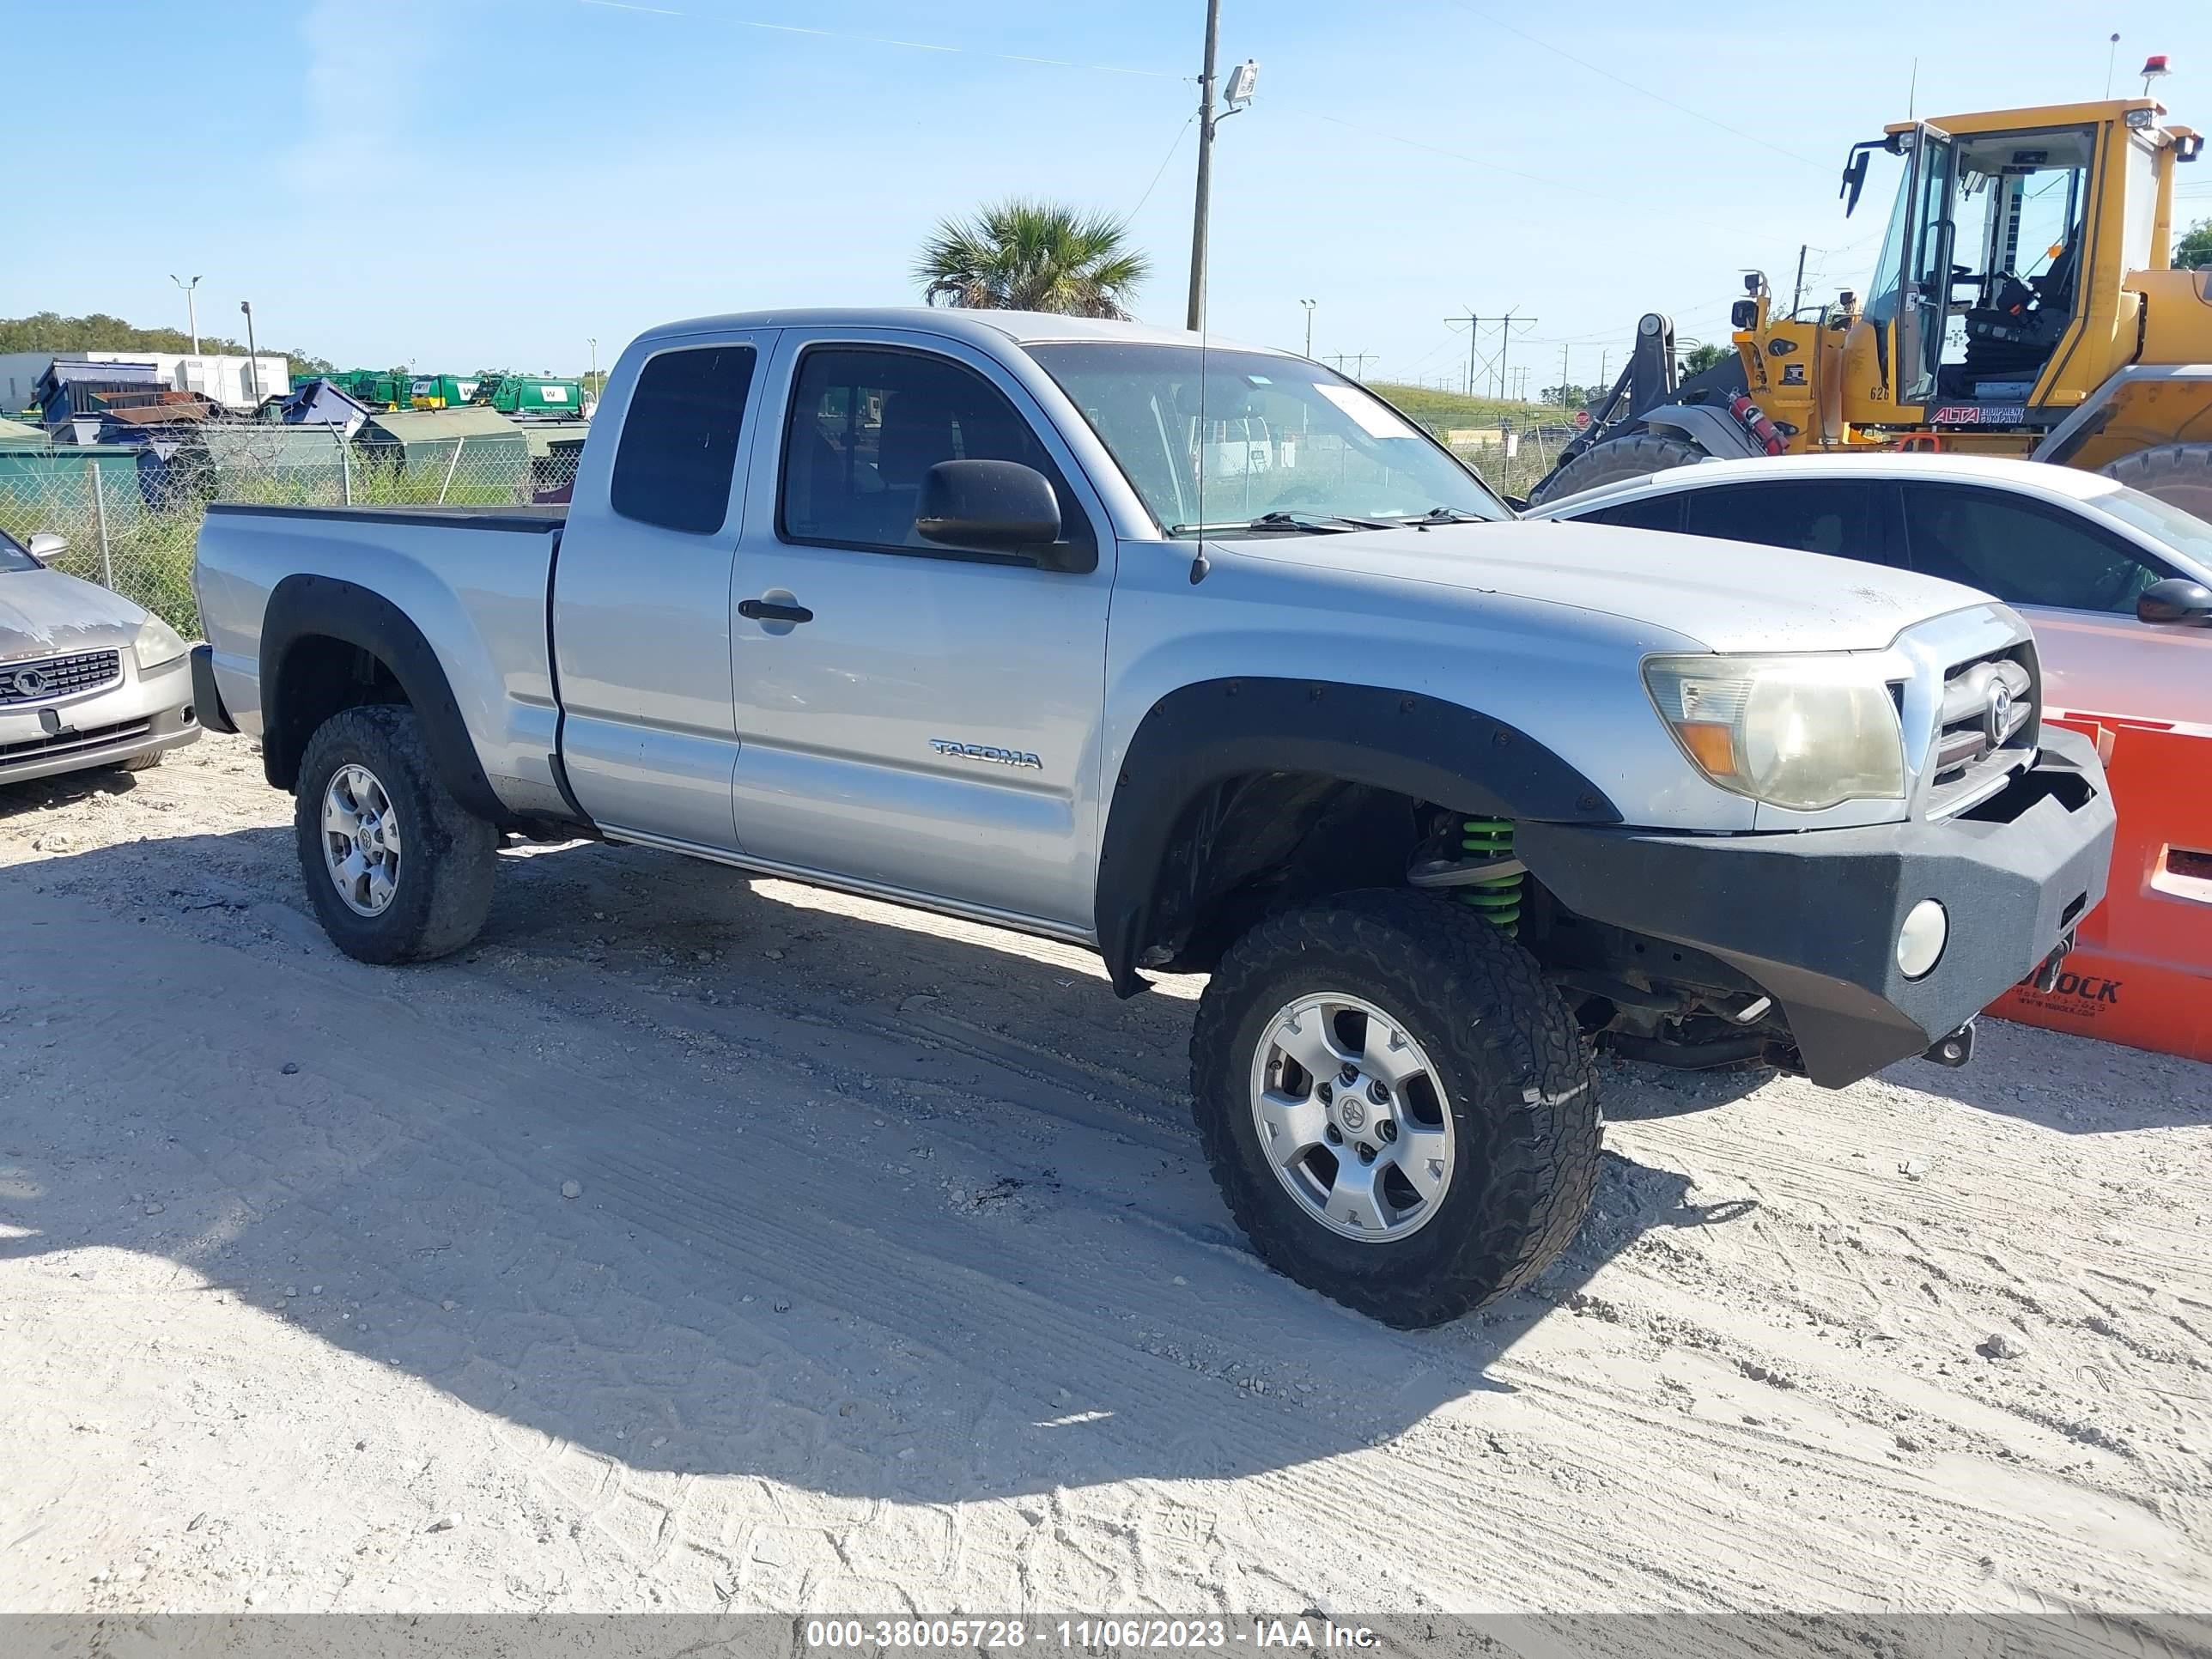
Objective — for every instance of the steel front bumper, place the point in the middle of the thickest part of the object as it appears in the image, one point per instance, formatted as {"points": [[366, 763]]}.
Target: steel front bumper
{"points": [[140, 713], [1812, 918]]}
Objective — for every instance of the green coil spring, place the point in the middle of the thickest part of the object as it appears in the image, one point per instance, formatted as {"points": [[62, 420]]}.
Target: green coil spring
{"points": [[1497, 901]]}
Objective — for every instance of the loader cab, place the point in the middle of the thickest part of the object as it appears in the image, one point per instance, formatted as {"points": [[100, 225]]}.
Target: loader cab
{"points": [[2005, 239]]}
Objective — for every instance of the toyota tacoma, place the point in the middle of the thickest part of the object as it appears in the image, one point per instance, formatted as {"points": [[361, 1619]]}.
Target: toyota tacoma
{"points": [[1206, 658]]}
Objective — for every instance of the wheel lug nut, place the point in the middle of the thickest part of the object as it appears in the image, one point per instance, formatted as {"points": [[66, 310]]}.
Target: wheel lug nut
{"points": [[1367, 1153], [1379, 1091], [1388, 1130], [1332, 1134], [1326, 1094]]}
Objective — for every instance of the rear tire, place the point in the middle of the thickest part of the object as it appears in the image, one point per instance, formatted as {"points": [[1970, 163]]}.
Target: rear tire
{"points": [[2180, 475], [1504, 1130], [373, 819], [1617, 458]]}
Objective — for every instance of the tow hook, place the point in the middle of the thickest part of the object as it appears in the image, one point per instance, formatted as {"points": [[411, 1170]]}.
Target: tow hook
{"points": [[1954, 1050], [2045, 978]]}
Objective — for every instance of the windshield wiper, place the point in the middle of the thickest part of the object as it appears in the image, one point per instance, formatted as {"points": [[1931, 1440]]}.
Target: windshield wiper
{"points": [[1446, 515], [1311, 524]]}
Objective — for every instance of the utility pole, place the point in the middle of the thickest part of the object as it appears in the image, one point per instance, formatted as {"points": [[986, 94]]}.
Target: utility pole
{"points": [[1566, 399], [1797, 294], [1195, 319], [252, 367], [1308, 304], [593, 342], [191, 311], [1474, 328], [1505, 327]]}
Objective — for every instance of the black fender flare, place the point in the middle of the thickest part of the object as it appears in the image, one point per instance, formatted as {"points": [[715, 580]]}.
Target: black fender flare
{"points": [[1208, 732], [308, 606]]}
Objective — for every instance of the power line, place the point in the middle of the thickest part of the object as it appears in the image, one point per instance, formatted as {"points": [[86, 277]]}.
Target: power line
{"points": [[1646, 92], [1645, 204], [882, 40], [1161, 172]]}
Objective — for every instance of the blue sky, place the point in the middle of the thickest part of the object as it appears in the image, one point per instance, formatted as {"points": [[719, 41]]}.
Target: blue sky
{"points": [[458, 184]]}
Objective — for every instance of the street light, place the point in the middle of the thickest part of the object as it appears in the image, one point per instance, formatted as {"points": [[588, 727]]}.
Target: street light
{"points": [[252, 367], [192, 313], [593, 342], [1308, 304]]}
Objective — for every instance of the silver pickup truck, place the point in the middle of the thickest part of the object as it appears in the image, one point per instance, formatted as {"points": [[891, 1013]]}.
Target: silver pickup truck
{"points": [[1204, 658]]}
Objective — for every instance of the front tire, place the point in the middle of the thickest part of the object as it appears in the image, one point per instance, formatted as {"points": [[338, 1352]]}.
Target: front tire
{"points": [[397, 869], [1449, 1156]]}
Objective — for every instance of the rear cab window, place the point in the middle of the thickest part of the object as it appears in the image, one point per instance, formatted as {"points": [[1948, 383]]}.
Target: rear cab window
{"points": [[678, 452]]}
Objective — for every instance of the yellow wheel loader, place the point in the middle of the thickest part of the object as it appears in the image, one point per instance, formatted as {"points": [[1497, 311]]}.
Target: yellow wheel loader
{"points": [[2023, 305]]}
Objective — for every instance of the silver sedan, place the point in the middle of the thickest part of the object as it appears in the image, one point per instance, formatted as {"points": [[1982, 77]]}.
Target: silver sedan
{"points": [[87, 679]]}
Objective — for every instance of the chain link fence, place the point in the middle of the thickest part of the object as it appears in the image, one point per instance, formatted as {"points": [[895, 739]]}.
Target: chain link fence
{"points": [[131, 520], [1510, 464]]}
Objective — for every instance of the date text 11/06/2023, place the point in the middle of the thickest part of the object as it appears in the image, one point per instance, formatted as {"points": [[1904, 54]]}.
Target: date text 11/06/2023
{"points": [[970, 1634]]}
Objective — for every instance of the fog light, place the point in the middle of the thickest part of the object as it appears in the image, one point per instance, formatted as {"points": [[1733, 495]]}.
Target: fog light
{"points": [[1920, 941]]}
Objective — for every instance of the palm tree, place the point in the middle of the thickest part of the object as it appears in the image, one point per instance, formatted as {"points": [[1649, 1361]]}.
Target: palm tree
{"points": [[1031, 256]]}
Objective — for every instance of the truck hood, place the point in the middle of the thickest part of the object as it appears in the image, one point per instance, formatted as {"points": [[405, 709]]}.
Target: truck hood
{"points": [[1729, 596], [44, 613]]}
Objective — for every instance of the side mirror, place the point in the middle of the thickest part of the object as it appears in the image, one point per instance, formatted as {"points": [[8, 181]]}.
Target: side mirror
{"points": [[2176, 600], [995, 506], [1854, 175], [45, 546]]}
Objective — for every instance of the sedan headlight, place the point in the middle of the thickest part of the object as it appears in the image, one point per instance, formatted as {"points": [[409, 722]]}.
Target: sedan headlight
{"points": [[1801, 731], [157, 646]]}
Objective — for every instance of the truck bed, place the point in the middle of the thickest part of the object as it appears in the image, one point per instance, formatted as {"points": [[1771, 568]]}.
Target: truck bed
{"points": [[473, 580]]}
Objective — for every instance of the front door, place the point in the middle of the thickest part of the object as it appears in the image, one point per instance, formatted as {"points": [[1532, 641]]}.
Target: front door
{"points": [[1924, 300], [914, 718]]}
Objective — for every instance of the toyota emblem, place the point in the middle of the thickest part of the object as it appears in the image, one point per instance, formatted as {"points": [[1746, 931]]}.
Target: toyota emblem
{"points": [[29, 683], [1997, 722]]}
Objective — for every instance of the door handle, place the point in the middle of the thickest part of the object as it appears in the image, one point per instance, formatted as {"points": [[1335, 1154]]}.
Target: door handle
{"points": [[771, 610]]}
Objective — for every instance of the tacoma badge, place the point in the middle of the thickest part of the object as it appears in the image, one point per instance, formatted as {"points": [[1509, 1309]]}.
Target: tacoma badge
{"points": [[983, 751]]}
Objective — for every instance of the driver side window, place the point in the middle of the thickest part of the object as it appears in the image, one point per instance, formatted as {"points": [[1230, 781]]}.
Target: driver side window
{"points": [[868, 422], [2022, 551]]}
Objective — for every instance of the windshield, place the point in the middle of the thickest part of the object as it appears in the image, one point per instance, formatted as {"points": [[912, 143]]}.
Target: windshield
{"points": [[2185, 532], [14, 555], [1263, 434]]}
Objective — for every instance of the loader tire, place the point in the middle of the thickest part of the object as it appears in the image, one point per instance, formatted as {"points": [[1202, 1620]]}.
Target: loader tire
{"points": [[1617, 458], [1437, 1146], [2180, 475]]}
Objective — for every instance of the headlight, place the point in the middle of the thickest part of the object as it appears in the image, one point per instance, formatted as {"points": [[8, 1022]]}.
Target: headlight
{"points": [[1804, 733], [157, 646]]}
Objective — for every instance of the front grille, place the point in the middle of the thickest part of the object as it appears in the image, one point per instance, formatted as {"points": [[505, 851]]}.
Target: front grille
{"points": [[92, 736], [1986, 728], [58, 677]]}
